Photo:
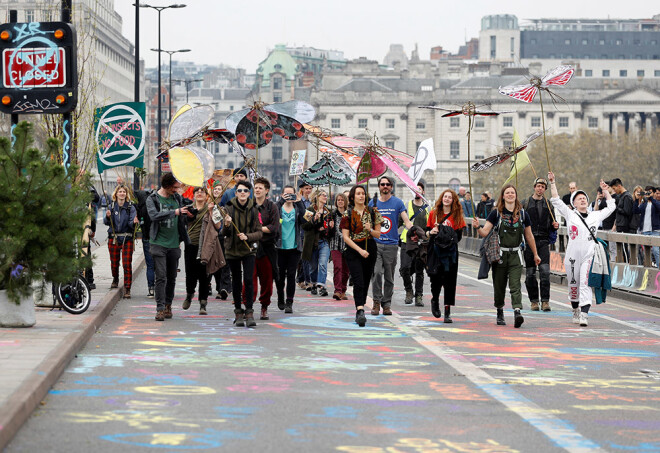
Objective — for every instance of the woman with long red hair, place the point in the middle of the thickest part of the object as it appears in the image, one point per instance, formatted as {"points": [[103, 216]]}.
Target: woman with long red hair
{"points": [[445, 229], [513, 224]]}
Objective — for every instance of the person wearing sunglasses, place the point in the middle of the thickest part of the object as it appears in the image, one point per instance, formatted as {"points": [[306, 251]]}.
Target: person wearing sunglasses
{"points": [[391, 209], [242, 231]]}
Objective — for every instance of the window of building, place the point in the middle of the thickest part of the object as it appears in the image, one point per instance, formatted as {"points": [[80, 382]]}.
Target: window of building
{"points": [[507, 121], [606, 72], [455, 121], [619, 42], [585, 42], [277, 152], [588, 73], [623, 73], [277, 98], [230, 149], [479, 122], [417, 145], [362, 123], [513, 44], [493, 46], [29, 15], [389, 144], [454, 184], [420, 124], [231, 108], [47, 15], [656, 73], [567, 42], [335, 123], [536, 121], [454, 149], [389, 123], [601, 42], [277, 83], [640, 73], [230, 164], [532, 41], [563, 121], [592, 122], [506, 143]]}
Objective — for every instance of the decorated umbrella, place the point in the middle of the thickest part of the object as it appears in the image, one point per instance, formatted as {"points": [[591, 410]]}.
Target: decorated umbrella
{"points": [[558, 76], [326, 172]]}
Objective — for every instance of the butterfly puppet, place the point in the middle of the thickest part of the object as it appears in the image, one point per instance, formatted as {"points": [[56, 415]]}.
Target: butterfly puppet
{"points": [[558, 76], [488, 162]]}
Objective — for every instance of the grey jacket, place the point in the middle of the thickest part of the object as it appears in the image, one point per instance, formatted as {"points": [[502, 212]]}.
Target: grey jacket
{"points": [[157, 215]]}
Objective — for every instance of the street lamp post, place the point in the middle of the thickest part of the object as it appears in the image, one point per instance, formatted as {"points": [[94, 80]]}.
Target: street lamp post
{"points": [[170, 52], [160, 114], [188, 82]]}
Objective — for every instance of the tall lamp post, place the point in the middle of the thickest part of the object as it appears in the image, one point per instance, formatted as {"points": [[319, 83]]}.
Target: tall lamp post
{"points": [[170, 52], [188, 82], [160, 114]]}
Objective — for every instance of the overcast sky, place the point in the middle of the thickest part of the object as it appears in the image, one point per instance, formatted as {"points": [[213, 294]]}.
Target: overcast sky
{"points": [[240, 33]]}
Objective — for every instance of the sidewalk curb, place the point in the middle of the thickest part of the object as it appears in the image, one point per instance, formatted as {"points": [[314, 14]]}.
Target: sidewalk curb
{"points": [[22, 403]]}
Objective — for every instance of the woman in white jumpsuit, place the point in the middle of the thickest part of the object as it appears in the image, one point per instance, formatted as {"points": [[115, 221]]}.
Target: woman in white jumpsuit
{"points": [[580, 249]]}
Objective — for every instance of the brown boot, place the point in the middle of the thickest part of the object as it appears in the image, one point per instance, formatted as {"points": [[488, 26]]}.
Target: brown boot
{"points": [[160, 315], [387, 311], [240, 317], [127, 293], [545, 305], [115, 282], [187, 301], [535, 306], [168, 311], [202, 307], [249, 318], [376, 309]]}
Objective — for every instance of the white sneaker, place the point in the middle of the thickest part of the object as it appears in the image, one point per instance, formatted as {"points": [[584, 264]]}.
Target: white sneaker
{"points": [[576, 316], [584, 319]]}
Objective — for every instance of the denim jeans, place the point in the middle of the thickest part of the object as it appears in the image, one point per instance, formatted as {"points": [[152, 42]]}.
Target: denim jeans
{"points": [[655, 251], [149, 261], [319, 263]]}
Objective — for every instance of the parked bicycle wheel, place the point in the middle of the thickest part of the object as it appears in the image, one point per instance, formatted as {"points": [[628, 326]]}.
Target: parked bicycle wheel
{"points": [[74, 296]]}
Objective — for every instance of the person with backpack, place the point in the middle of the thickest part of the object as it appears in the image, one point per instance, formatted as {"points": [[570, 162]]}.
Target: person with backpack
{"points": [[512, 225], [360, 226], [121, 218], [445, 230], [581, 226], [543, 225]]}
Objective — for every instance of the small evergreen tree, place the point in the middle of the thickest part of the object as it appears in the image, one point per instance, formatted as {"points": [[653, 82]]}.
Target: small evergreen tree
{"points": [[43, 208]]}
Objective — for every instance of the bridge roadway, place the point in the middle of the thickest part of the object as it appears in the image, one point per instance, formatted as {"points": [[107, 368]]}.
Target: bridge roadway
{"points": [[315, 381]]}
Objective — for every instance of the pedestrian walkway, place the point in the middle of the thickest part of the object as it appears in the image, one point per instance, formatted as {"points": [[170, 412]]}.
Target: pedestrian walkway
{"points": [[33, 358]]}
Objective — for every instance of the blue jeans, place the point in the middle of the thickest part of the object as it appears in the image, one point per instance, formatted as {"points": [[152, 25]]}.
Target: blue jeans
{"points": [[149, 260], [319, 263], [655, 251]]}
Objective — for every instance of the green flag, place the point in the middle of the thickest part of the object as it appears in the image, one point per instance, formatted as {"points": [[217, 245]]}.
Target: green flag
{"points": [[518, 161], [120, 135]]}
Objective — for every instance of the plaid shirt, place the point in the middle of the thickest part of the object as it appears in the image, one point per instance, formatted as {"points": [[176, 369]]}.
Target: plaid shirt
{"points": [[336, 237]]}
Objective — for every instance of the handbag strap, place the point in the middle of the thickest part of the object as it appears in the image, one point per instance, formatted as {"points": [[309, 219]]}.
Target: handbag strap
{"points": [[588, 229]]}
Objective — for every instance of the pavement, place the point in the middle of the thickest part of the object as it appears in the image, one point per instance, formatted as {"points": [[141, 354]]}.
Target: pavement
{"points": [[34, 358]]}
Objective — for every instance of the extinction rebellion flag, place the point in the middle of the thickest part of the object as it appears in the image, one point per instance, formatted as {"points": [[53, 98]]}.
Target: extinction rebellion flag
{"points": [[120, 135]]}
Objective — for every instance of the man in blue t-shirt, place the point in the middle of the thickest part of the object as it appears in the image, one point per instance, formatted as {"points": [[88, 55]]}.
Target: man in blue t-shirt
{"points": [[391, 208]]}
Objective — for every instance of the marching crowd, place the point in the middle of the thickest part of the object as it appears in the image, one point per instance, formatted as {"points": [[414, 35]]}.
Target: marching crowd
{"points": [[253, 246]]}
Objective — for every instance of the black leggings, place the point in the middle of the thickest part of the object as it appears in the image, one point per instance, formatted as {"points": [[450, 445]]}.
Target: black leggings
{"points": [[196, 272], [287, 261], [446, 279], [361, 270], [238, 279]]}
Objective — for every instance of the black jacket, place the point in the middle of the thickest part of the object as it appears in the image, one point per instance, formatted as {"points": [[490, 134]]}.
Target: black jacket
{"points": [[624, 212], [541, 225]]}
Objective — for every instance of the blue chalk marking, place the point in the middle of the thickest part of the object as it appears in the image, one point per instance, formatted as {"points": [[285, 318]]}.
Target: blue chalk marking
{"points": [[90, 392]]}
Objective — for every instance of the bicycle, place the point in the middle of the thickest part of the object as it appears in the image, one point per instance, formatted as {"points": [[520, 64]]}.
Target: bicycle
{"points": [[74, 296]]}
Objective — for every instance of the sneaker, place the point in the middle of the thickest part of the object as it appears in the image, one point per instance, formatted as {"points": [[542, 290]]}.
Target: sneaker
{"points": [[518, 319], [92, 286], [288, 307], [322, 291], [115, 283], [409, 297], [202, 308], [150, 294], [264, 313], [160, 315], [375, 311], [187, 301], [127, 294], [239, 321], [576, 316], [223, 294], [545, 305], [314, 290], [249, 318], [387, 311], [419, 300], [360, 319], [168, 312], [535, 306], [500, 317], [584, 319]]}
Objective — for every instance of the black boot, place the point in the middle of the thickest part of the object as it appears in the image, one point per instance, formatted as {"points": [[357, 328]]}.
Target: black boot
{"points": [[500, 317], [249, 318], [280, 300], [517, 318], [435, 308], [360, 319], [240, 320], [288, 306], [448, 319]]}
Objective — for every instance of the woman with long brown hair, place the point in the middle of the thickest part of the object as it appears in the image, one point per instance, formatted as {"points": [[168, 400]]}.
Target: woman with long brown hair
{"points": [[337, 247], [121, 216], [513, 225], [318, 227], [446, 218]]}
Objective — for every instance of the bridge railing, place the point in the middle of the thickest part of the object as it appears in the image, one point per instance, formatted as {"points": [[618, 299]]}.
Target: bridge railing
{"points": [[636, 276]]}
